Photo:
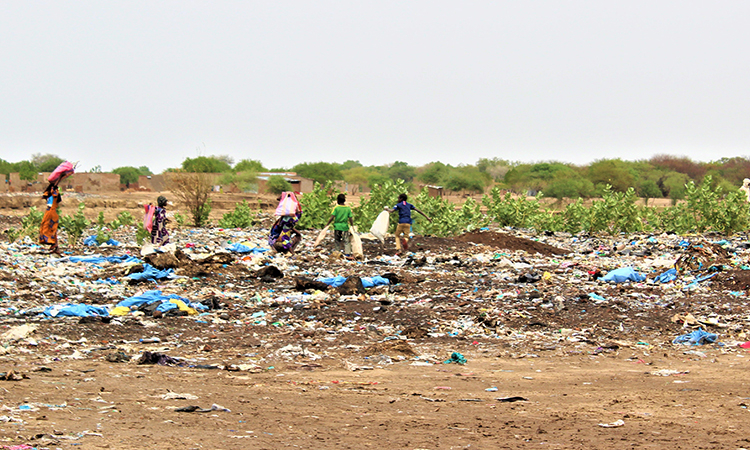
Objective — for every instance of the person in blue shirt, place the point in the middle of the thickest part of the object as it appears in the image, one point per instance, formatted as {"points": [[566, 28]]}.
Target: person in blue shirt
{"points": [[404, 222]]}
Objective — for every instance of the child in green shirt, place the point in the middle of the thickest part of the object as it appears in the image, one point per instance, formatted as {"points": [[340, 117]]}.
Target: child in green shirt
{"points": [[341, 216]]}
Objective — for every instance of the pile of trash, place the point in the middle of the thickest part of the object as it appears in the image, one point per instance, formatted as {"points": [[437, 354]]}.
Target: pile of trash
{"points": [[535, 292]]}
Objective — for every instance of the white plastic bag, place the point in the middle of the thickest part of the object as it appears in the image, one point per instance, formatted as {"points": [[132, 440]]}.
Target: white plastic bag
{"points": [[380, 226], [356, 242], [321, 236], [287, 205]]}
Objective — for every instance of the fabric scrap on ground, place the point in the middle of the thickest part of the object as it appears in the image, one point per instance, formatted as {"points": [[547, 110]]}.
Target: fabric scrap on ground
{"points": [[74, 310], [367, 282], [151, 273], [697, 337], [240, 248], [99, 259], [624, 274]]}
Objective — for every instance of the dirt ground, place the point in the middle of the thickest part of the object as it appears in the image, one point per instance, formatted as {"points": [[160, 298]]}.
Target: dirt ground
{"points": [[445, 406], [542, 374]]}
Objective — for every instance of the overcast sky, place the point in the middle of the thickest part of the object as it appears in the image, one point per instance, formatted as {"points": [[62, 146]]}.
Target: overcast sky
{"points": [[116, 83]]}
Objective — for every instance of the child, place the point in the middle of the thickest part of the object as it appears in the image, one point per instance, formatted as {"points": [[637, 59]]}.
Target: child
{"points": [[159, 233], [404, 222], [341, 216]]}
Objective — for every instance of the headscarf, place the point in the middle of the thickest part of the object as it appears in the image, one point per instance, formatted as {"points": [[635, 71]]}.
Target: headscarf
{"points": [[161, 201]]}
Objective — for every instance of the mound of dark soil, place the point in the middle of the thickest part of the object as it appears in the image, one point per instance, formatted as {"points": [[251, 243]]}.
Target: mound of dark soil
{"points": [[508, 242]]}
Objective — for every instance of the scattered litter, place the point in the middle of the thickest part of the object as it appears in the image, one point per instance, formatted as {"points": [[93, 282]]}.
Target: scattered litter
{"points": [[615, 424]]}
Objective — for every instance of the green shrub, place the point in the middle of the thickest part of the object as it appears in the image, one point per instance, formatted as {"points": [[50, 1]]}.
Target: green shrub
{"points": [[141, 234], [75, 225], [241, 217], [382, 195], [125, 218], [317, 206], [277, 184]]}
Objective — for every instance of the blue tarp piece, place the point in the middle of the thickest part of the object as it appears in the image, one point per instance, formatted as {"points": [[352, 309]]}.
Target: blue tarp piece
{"points": [[697, 337], [91, 242], [597, 297], [700, 279], [705, 277], [377, 280], [149, 297], [624, 274], [150, 273], [239, 248], [333, 281], [367, 282], [99, 259], [74, 309], [666, 277]]}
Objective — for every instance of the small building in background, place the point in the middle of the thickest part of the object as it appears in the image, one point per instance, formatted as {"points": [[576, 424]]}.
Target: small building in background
{"points": [[434, 191], [299, 184]]}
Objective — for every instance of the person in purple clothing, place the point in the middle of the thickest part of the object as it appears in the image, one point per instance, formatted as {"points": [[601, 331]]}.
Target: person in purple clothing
{"points": [[159, 233], [404, 222]]}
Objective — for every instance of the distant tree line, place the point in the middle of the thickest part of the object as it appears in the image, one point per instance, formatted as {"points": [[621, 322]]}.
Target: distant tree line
{"points": [[662, 176]]}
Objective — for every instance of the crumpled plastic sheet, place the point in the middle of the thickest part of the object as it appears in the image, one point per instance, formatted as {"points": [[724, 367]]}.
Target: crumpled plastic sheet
{"points": [[624, 274], [666, 277], [240, 248], [697, 337], [99, 259], [149, 297], [151, 273], [456, 358], [367, 282], [91, 242], [75, 310]]}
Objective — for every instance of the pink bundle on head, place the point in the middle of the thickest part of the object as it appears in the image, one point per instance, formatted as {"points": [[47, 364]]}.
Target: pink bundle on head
{"points": [[63, 170], [288, 205]]}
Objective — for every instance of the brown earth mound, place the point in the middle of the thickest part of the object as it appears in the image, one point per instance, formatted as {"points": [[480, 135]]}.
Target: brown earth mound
{"points": [[733, 280], [508, 242]]}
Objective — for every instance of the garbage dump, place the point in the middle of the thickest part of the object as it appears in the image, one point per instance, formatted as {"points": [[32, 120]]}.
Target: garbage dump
{"points": [[219, 302]]}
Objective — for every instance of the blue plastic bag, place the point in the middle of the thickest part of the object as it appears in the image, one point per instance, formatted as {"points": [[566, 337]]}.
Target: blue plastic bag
{"points": [[697, 337], [624, 274]]}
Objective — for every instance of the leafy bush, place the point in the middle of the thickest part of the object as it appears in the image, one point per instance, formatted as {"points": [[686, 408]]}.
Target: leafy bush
{"points": [[30, 225], [383, 195], [103, 234], [317, 206], [277, 184], [241, 217], [32, 220], [75, 225], [125, 218], [507, 211], [141, 234], [706, 208]]}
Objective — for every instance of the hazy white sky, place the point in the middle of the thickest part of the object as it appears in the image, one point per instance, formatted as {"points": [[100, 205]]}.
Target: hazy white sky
{"points": [[117, 83]]}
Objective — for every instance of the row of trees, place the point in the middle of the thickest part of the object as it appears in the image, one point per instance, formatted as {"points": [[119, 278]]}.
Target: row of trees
{"points": [[660, 176], [28, 169]]}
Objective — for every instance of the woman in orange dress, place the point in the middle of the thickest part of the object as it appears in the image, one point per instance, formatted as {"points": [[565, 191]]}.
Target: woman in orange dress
{"points": [[50, 220]]}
